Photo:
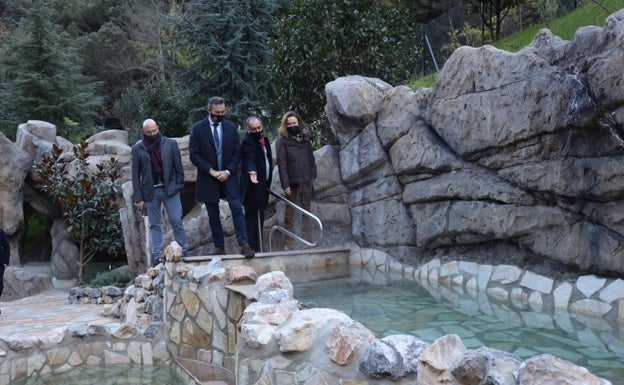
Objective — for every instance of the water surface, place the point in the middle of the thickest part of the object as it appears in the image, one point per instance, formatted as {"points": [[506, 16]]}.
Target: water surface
{"points": [[396, 306]]}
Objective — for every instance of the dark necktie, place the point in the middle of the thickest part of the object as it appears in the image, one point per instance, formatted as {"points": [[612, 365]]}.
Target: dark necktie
{"points": [[215, 134]]}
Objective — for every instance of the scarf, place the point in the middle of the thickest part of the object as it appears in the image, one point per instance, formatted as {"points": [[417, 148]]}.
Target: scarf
{"points": [[153, 148]]}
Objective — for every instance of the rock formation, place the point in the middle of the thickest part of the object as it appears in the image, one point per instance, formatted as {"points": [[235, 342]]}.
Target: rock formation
{"points": [[510, 157]]}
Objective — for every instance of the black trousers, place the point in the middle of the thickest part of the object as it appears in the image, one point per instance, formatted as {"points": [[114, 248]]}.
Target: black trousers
{"points": [[1, 279], [251, 221]]}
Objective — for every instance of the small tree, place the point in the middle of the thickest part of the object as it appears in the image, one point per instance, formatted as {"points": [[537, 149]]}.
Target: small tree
{"points": [[87, 196]]}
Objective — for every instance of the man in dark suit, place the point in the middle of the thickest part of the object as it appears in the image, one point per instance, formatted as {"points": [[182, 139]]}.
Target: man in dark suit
{"points": [[256, 173], [214, 148]]}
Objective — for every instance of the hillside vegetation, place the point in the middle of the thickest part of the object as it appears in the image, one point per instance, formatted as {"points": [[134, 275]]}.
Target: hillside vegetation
{"points": [[593, 13]]}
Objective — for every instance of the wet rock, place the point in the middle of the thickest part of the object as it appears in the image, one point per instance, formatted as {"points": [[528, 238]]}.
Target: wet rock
{"points": [[345, 340], [486, 366], [393, 357], [548, 369], [437, 359]]}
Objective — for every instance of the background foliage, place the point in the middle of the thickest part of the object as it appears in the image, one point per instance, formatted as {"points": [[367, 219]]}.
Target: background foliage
{"points": [[90, 65]]}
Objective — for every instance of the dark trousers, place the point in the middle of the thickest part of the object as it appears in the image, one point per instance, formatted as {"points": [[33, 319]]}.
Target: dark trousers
{"points": [[1, 279], [214, 218], [251, 220], [301, 195]]}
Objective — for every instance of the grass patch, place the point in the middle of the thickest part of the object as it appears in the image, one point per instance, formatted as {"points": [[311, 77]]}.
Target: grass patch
{"points": [[565, 26], [426, 81]]}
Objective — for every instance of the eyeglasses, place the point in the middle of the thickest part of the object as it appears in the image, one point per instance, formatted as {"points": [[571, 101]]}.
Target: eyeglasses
{"points": [[255, 129]]}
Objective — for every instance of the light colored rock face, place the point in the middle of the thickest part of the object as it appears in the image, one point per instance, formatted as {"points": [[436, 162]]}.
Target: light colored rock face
{"points": [[14, 167], [506, 148]]}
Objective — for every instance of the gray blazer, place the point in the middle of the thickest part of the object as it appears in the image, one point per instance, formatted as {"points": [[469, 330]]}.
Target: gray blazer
{"points": [[142, 179]]}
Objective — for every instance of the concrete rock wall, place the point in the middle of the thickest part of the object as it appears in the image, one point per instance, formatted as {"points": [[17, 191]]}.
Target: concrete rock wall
{"points": [[520, 152]]}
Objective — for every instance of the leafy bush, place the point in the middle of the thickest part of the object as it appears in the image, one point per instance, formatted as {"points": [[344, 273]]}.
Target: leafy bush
{"points": [[118, 277], [87, 196]]}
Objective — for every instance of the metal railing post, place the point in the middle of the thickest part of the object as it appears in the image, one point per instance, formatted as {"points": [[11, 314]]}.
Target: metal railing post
{"points": [[290, 233]]}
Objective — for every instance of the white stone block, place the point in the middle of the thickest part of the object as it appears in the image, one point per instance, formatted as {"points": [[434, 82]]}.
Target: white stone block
{"points": [[449, 268], [468, 267], [613, 292], [589, 284], [562, 295], [506, 274], [537, 282]]}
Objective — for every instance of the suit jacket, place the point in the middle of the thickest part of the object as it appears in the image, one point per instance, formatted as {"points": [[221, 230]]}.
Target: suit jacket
{"points": [[203, 154], [255, 196], [142, 178]]}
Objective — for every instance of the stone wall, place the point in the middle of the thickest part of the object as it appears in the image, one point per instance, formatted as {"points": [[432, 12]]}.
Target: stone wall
{"points": [[77, 346], [227, 314]]}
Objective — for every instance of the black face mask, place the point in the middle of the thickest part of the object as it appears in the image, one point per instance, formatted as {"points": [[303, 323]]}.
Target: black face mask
{"points": [[216, 118], [256, 135], [293, 130], [151, 138]]}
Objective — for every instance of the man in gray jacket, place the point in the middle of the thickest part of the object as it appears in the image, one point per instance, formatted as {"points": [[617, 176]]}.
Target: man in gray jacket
{"points": [[157, 179]]}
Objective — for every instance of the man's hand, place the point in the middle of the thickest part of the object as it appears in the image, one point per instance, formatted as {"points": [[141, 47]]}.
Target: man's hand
{"points": [[140, 205], [253, 176], [221, 176]]}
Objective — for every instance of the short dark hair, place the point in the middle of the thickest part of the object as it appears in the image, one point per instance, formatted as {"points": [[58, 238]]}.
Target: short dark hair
{"points": [[215, 100]]}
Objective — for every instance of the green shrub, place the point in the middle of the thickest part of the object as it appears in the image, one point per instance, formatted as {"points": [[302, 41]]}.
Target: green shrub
{"points": [[118, 277]]}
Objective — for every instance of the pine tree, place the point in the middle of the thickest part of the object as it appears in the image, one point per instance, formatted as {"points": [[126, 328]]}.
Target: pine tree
{"points": [[42, 79], [227, 52]]}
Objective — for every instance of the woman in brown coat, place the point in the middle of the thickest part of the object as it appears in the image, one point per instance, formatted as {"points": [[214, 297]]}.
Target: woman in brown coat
{"points": [[297, 170]]}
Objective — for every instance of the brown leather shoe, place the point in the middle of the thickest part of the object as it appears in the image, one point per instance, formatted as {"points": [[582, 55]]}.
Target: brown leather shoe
{"points": [[218, 251], [247, 251]]}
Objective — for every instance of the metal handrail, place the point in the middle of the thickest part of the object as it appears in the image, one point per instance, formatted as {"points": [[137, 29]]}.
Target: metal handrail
{"points": [[290, 233]]}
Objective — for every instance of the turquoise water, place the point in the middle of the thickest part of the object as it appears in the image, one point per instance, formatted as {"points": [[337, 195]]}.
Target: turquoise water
{"points": [[108, 375], [406, 307]]}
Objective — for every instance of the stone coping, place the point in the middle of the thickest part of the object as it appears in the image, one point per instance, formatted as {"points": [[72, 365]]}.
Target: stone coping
{"points": [[587, 295]]}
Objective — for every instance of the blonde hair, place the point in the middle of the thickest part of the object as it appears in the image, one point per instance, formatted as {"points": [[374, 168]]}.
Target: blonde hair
{"points": [[282, 130]]}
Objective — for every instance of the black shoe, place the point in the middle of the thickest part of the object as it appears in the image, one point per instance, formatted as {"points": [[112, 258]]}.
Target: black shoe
{"points": [[247, 251]]}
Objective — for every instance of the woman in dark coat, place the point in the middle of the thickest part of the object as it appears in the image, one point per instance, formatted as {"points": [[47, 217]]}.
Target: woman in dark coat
{"points": [[256, 172], [297, 170]]}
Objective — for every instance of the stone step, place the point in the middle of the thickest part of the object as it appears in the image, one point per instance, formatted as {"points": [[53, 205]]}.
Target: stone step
{"points": [[206, 374], [303, 265], [268, 254]]}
